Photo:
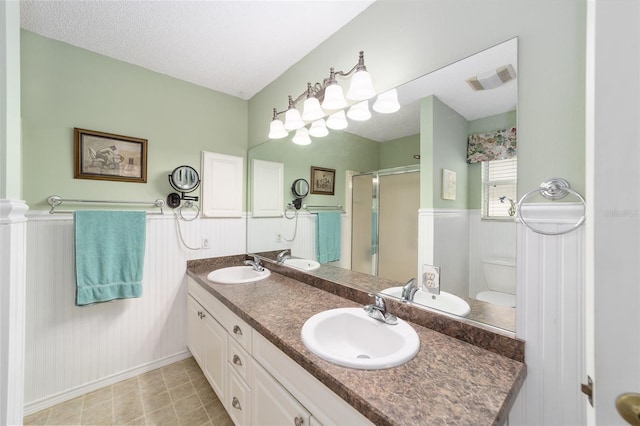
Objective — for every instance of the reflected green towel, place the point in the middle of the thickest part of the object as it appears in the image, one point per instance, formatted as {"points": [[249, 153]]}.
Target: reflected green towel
{"points": [[109, 248], [328, 236]]}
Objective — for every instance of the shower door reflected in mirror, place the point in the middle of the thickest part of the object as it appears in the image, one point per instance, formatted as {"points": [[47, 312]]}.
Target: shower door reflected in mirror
{"points": [[385, 223]]}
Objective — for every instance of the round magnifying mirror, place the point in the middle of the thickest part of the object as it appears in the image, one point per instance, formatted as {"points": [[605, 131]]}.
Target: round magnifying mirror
{"points": [[300, 188], [184, 179]]}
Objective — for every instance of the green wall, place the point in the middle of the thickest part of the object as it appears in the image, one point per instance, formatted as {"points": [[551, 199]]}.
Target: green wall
{"points": [[403, 40], [399, 152], [449, 152], [339, 150], [65, 87]]}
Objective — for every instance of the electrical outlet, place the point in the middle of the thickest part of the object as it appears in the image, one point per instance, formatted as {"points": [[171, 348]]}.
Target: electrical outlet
{"points": [[205, 243], [431, 278]]}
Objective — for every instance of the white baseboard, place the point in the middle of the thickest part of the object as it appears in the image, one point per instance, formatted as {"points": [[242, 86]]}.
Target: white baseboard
{"points": [[67, 395]]}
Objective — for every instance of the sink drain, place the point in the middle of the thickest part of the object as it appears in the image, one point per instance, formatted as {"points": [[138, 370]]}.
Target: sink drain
{"points": [[363, 356]]}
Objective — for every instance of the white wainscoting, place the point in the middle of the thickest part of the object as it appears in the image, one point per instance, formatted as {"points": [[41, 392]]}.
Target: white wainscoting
{"points": [[489, 238], [13, 246], [72, 350], [450, 247], [550, 318]]}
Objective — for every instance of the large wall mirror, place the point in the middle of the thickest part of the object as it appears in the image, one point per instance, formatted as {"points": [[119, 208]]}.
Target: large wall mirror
{"points": [[407, 194]]}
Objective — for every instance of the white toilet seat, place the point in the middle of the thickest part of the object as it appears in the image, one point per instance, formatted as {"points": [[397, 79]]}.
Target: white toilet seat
{"points": [[497, 298]]}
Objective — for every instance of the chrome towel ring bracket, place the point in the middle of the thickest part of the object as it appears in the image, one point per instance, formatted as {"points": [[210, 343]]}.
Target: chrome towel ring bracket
{"points": [[553, 189]]}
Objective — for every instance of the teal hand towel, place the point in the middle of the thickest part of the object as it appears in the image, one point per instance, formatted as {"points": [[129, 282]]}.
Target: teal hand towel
{"points": [[328, 236], [109, 249]]}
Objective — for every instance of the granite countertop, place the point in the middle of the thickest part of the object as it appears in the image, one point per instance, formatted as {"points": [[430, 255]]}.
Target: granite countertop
{"points": [[448, 382]]}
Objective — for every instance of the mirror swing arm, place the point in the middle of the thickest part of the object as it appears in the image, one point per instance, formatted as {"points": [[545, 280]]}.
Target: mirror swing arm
{"points": [[184, 179], [299, 189]]}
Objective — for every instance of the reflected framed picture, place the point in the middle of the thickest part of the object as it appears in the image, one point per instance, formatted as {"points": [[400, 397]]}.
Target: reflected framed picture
{"points": [[106, 156], [448, 185], [322, 180]]}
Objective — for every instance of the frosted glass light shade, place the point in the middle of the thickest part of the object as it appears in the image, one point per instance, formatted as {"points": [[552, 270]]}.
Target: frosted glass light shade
{"points": [[301, 137], [318, 129], [277, 130], [292, 119], [360, 111], [387, 102], [311, 109], [334, 97], [361, 87], [337, 121]]}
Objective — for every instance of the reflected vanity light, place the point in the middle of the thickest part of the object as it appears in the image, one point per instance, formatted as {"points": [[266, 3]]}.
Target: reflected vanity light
{"points": [[318, 129], [337, 121], [387, 102], [360, 111], [301, 137]]}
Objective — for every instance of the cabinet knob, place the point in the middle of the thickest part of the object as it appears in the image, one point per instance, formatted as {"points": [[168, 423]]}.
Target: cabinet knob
{"points": [[237, 330], [203, 315], [237, 360], [298, 421], [236, 404]]}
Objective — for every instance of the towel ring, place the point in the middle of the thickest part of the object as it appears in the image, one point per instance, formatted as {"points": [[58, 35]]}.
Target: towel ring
{"points": [[189, 204], [553, 189]]}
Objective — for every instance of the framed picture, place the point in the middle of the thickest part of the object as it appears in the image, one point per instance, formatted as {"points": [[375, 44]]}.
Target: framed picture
{"points": [[448, 185], [322, 180], [105, 156]]}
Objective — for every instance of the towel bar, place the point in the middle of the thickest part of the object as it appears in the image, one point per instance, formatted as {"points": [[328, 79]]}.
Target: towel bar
{"points": [[56, 200]]}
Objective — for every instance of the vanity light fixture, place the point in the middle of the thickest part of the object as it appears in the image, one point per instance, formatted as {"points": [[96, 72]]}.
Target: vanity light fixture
{"points": [[321, 99], [387, 102], [492, 79]]}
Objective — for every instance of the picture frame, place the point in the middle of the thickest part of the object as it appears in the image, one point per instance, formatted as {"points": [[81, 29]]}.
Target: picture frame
{"points": [[107, 156], [323, 180], [448, 184]]}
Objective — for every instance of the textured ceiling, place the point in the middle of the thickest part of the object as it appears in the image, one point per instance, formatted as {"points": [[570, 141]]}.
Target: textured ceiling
{"points": [[235, 47]]}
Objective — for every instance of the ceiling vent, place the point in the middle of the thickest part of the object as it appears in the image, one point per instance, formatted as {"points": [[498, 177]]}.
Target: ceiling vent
{"points": [[492, 79]]}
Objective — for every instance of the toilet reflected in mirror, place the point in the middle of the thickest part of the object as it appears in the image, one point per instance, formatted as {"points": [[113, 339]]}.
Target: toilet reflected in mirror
{"points": [[500, 277]]}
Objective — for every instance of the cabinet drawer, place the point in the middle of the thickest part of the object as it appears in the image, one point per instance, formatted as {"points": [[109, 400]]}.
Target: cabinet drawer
{"points": [[239, 360], [240, 331], [238, 402]]}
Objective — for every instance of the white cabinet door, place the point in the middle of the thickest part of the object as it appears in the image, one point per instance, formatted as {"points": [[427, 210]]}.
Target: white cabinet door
{"points": [[214, 341], [194, 329], [272, 405], [238, 402]]}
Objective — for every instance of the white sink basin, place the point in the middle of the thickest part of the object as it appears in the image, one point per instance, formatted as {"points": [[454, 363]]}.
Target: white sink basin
{"points": [[237, 275], [305, 264], [350, 338], [446, 302]]}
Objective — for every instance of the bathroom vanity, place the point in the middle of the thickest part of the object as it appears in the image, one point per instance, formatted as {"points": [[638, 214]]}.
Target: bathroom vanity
{"points": [[246, 337]]}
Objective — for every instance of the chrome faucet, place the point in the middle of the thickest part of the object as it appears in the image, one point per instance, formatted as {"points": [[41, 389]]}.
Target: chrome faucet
{"points": [[378, 310], [255, 263], [282, 256], [409, 290]]}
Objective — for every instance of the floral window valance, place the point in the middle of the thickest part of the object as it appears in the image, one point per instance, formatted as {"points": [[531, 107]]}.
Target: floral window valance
{"points": [[497, 145]]}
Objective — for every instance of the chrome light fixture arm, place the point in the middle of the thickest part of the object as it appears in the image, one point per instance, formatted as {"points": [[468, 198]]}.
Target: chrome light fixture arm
{"points": [[317, 89]]}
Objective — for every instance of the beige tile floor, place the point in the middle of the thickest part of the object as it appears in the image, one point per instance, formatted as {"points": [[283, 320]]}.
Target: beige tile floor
{"points": [[177, 394]]}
